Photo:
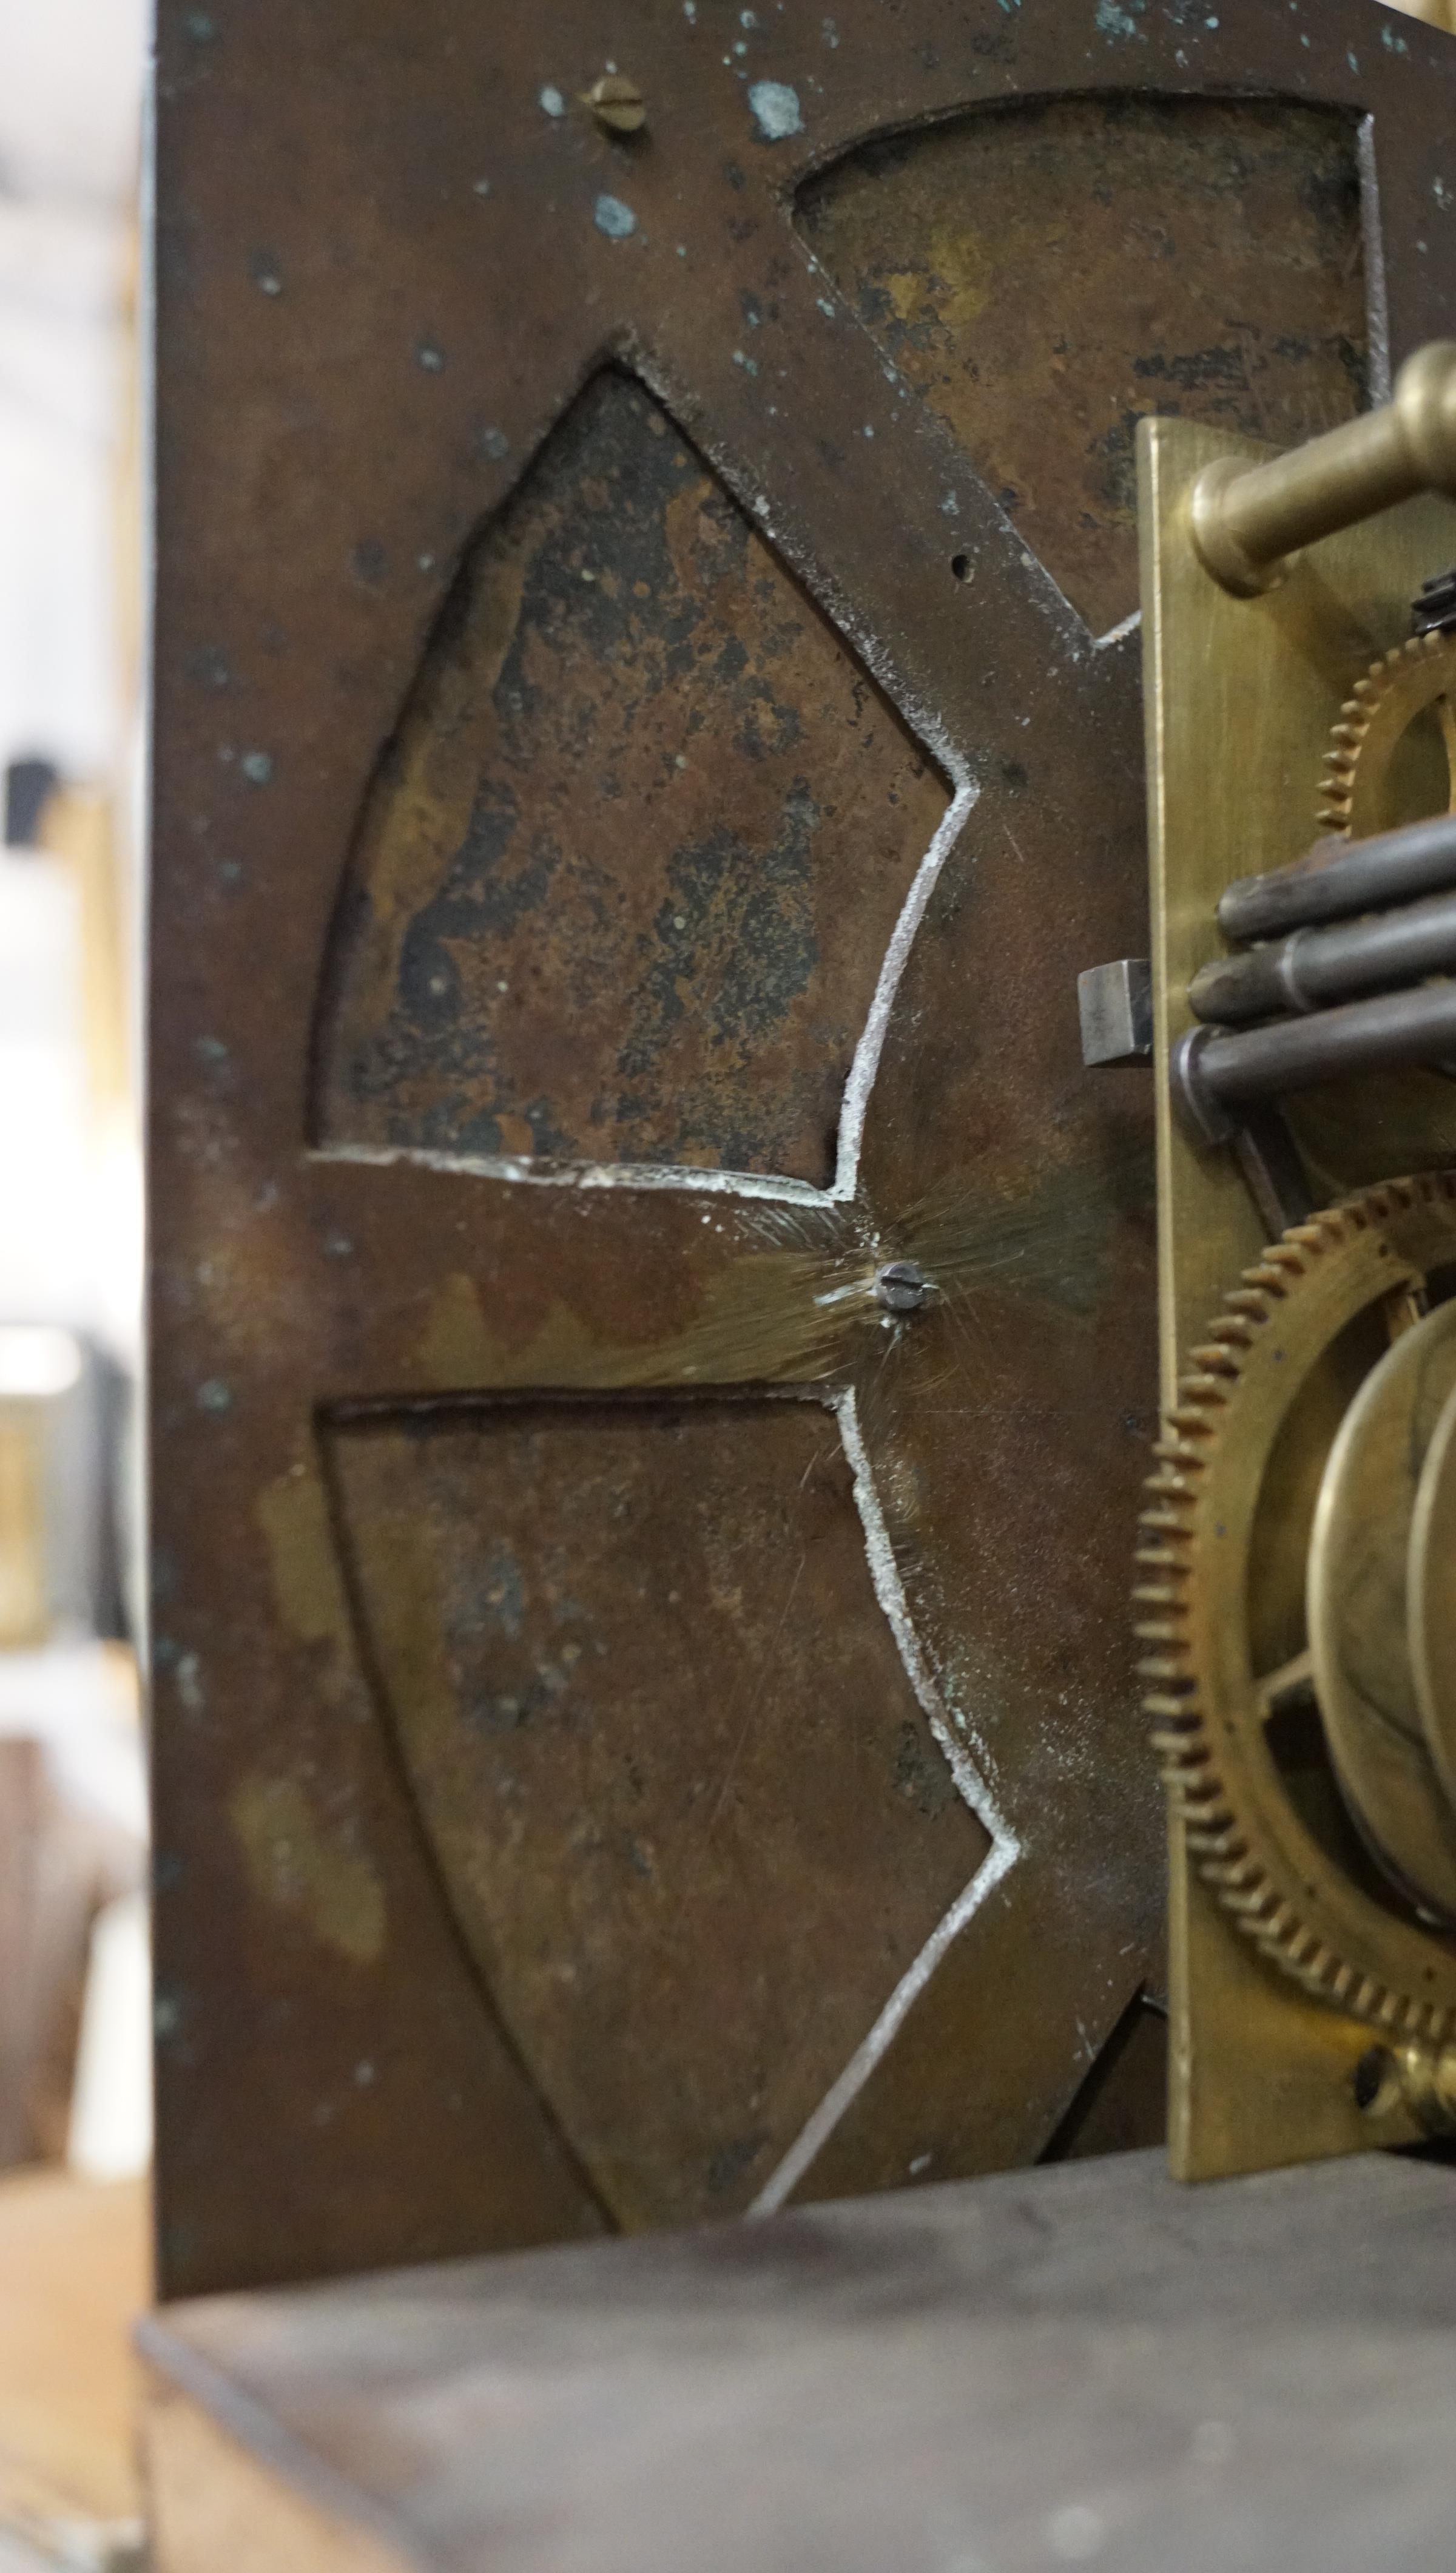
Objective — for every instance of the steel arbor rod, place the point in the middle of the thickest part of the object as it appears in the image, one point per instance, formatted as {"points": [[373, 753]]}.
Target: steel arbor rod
{"points": [[1218, 1076], [1315, 966], [1338, 878]]}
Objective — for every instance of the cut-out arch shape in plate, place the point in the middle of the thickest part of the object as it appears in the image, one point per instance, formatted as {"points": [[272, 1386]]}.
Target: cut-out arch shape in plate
{"points": [[629, 868]]}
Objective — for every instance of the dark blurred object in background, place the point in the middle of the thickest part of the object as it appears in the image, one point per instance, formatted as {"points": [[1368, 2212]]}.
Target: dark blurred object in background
{"points": [[60, 1863], [63, 1402], [29, 785]]}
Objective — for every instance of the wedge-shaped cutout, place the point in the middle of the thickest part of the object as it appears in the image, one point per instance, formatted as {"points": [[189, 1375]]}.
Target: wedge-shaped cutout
{"points": [[693, 1824], [626, 875]]}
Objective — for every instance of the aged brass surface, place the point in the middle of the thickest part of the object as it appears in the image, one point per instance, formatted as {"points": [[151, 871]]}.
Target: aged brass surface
{"points": [[1259, 2074], [1357, 1613], [1422, 2078], [1247, 518], [617, 104], [1432, 1598], [1378, 760], [1240, 699], [1223, 1552]]}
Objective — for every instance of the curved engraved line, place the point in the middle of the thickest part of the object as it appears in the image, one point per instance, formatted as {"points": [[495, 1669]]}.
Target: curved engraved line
{"points": [[1002, 1855], [843, 2092], [866, 1062], [890, 1591], [858, 1082], [580, 1174], [380, 1697]]}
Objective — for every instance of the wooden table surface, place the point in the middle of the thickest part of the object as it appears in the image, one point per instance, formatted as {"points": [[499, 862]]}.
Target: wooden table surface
{"points": [[74, 2275], [1082, 2363]]}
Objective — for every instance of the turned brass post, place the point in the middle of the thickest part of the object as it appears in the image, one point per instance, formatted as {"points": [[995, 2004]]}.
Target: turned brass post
{"points": [[1247, 518], [1422, 2076]]}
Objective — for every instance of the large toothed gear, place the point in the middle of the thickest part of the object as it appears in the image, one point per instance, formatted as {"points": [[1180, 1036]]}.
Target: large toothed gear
{"points": [[1355, 797], [1224, 1561]]}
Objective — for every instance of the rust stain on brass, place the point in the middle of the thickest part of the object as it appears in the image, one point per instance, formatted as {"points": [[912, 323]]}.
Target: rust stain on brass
{"points": [[297, 1866], [632, 858], [294, 1516], [693, 1823]]}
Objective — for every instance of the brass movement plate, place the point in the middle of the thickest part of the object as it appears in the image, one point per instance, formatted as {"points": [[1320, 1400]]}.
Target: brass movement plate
{"points": [[1240, 696]]}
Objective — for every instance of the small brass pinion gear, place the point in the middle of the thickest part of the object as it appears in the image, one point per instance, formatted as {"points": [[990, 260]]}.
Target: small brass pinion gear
{"points": [[1394, 692], [1221, 1601]]}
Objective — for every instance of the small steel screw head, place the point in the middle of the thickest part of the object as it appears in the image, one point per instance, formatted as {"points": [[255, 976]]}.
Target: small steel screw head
{"points": [[901, 1287], [617, 103]]}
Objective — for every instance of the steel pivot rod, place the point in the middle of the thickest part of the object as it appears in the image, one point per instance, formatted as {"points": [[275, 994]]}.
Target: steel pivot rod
{"points": [[1218, 1076], [1247, 518], [1337, 878], [1313, 966]]}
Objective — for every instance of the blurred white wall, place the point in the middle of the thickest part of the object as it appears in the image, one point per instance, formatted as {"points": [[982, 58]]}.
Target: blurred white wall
{"points": [[71, 74], [61, 370], [70, 86], [71, 90]]}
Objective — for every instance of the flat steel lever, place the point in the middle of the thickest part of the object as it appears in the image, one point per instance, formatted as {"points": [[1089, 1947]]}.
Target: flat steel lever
{"points": [[1247, 518]]}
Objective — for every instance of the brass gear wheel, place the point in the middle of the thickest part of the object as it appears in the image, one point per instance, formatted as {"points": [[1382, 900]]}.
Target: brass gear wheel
{"points": [[1374, 722], [1222, 1563]]}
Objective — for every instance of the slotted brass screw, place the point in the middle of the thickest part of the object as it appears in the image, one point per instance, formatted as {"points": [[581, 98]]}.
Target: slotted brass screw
{"points": [[617, 103]]}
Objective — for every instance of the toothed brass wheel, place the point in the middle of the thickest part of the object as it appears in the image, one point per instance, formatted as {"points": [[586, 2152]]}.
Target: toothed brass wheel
{"points": [[1267, 1787], [1392, 755]]}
